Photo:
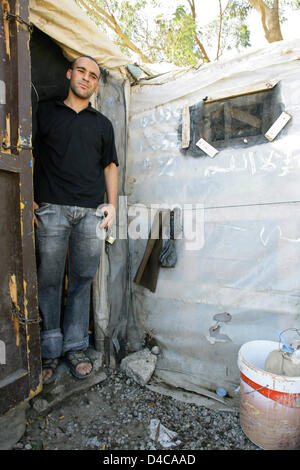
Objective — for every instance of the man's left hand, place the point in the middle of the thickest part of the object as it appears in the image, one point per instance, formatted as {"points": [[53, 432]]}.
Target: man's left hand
{"points": [[110, 214]]}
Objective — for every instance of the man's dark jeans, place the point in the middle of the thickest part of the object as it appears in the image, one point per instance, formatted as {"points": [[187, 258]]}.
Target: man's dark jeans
{"points": [[60, 228]]}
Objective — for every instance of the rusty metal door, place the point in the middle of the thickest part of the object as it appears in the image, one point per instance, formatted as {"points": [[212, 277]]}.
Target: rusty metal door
{"points": [[20, 370]]}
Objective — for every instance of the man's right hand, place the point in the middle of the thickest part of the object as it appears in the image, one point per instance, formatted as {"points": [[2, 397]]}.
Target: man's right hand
{"points": [[35, 206]]}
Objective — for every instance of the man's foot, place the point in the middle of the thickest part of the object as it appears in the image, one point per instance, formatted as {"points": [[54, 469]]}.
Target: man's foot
{"points": [[49, 367], [80, 364]]}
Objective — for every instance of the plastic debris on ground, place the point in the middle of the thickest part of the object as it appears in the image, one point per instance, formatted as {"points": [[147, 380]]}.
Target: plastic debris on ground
{"points": [[159, 433]]}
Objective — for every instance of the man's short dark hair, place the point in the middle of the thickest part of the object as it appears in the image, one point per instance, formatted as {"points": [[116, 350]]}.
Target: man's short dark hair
{"points": [[85, 57]]}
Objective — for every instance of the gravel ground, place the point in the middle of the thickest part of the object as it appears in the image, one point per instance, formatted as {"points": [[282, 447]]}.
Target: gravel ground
{"points": [[116, 415]]}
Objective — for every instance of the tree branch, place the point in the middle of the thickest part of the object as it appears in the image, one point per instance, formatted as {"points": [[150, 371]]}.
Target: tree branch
{"points": [[200, 45], [269, 19], [104, 18], [193, 8], [100, 14], [263, 8], [220, 29]]}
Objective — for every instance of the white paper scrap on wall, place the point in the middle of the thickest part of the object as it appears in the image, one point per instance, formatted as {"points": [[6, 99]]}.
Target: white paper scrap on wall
{"points": [[2, 92], [207, 148], [185, 126], [278, 126]]}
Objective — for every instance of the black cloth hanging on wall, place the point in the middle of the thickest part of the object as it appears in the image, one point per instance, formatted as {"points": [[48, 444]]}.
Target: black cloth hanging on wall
{"points": [[147, 273]]}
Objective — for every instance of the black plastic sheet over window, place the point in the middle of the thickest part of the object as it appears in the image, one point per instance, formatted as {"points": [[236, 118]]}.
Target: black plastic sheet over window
{"points": [[236, 122]]}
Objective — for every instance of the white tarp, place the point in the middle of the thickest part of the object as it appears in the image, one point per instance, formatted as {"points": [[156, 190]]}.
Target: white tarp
{"points": [[242, 281], [76, 34]]}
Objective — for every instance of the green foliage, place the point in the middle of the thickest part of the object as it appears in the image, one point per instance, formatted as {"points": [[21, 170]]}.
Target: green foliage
{"points": [[235, 33], [238, 10], [175, 36]]}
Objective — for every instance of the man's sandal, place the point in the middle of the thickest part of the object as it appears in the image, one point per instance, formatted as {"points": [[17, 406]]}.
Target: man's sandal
{"points": [[74, 358], [50, 364]]}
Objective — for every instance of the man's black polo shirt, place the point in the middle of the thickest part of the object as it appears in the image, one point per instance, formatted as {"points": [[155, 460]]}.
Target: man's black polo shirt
{"points": [[71, 151]]}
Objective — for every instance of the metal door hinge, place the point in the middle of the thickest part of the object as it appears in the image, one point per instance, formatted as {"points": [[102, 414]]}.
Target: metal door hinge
{"points": [[10, 16], [21, 318], [16, 147]]}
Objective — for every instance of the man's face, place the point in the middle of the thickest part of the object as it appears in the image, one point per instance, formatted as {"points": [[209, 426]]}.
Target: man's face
{"points": [[84, 77]]}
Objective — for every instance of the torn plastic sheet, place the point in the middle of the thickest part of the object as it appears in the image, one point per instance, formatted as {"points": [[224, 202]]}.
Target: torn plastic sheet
{"points": [[110, 287], [100, 300]]}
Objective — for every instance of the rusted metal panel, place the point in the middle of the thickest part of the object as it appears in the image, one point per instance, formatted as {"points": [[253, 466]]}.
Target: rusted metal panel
{"points": [[20, 375]]}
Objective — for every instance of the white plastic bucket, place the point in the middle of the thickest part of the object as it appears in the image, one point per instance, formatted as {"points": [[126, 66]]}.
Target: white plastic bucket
{"points": [[269, 403]]}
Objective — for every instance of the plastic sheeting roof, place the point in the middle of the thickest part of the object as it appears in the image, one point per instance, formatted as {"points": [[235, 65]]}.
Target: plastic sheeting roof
{"points": [[241, 71], [74, 32]]}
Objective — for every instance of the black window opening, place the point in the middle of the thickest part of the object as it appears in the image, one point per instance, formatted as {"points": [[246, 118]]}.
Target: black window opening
{"points": [[238, 122]]}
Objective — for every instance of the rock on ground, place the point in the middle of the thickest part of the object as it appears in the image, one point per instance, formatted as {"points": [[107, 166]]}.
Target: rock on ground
{"points": [[139, 366]]}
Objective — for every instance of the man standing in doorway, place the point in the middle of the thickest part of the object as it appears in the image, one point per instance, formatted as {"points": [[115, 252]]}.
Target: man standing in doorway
{"points": [[75, 164]]}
